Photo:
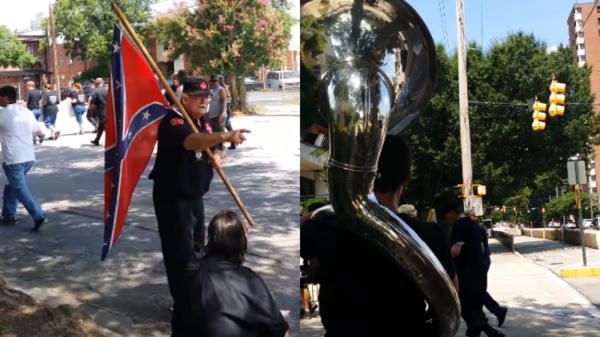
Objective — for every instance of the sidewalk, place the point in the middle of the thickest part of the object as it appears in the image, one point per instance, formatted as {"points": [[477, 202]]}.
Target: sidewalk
{"points": [[540, 303]]}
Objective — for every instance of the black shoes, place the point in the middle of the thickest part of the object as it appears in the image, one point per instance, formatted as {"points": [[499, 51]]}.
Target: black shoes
{"points": [[502, 316], [95, 142], [40, 223], [10, 221]]}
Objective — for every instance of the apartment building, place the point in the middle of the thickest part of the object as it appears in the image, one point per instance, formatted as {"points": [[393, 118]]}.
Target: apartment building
{"points": [[584, 38]]}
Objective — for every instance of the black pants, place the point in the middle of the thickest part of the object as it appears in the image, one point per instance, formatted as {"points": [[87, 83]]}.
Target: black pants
{"points": [[177, 220], [101, 127], [471, 294], [92, 118], [488, 300]]}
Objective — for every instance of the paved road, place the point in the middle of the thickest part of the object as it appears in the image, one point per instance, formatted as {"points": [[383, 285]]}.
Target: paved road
{"points": [[127, 293], [265, 98], [554, 255], [540, 303]]}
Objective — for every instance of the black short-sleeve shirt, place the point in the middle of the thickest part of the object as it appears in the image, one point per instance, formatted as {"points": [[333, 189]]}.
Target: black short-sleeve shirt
{"points": [[32, 97], [99, 99], [364, 293], [50, 101], [177, 171], [79, 96], [470, 263], [228, 300]]}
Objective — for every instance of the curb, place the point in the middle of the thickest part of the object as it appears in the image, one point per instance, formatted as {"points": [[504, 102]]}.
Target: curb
{"points": [[580, 272]]}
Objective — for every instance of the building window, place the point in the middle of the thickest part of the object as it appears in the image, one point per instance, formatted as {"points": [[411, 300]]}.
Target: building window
{"points": [[580, 34], [307, 186], [166, 46], [578, 10], [581, 58], [29, 50], [594, 190], [597, 9], [62, 59], [581, 46], [593, 178]]}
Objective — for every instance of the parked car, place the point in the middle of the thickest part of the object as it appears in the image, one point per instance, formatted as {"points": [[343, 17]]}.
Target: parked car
{"points": [[587, 223], [279, 79], [251, 82], [570, 224], [553, 224], [64, 93]]}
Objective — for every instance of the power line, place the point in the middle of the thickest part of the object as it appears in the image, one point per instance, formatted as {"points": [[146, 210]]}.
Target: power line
{"points": [[444, 24]]}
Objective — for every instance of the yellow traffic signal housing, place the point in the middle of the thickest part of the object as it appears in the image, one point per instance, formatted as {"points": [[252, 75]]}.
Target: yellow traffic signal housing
{"points": [[557, 98], [459, 191], [503, 209], [538, 116], [515, 210], [543, 210]]}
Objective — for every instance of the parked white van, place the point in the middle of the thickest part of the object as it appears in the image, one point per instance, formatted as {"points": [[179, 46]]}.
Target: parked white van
{"points": [[287, 78]]}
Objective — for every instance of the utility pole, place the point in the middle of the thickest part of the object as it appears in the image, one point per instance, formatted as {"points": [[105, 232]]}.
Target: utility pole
{"points": [[463, 102], [54, 58]]}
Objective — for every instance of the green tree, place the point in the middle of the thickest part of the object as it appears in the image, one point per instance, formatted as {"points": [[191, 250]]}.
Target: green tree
{"points": [[13, 52], [497, 216], [228, 37], [507, 155], [87, 26], [565, 206]]}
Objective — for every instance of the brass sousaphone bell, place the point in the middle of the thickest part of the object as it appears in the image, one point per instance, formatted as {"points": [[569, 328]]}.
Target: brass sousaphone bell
{"points": [[369, 69]]}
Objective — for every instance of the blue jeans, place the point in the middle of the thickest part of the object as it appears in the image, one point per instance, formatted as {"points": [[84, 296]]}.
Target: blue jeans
{"points": [[50, 120], [37, 114], [16, 191], [79, 110]]}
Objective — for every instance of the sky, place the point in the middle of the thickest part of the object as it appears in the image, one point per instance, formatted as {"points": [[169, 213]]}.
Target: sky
{"points": [[547, 19]]}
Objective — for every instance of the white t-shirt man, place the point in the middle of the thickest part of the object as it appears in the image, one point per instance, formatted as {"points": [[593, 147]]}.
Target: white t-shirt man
{"points": [[17, 125]]}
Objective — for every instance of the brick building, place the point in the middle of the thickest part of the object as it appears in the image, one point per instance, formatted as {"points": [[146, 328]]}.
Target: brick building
{"points": [[584, 38]]}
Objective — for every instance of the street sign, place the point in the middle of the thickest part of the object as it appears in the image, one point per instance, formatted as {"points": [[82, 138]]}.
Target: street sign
{"points": [[580, 164]]}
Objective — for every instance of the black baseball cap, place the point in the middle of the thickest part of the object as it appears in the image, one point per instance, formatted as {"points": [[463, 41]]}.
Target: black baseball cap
{"points": [[195, 86], [214, 78]]}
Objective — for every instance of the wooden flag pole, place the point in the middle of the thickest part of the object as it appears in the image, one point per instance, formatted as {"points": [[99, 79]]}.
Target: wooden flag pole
{"points": [[173, 97]]}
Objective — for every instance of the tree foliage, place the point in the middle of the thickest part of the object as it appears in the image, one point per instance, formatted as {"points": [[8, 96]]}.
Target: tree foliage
{"points": [[227, 37], [87, 26], [13, 52], [514, 162], [565, 206]]}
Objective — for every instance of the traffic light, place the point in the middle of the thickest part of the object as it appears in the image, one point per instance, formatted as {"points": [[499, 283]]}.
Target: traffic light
{"points": [[503, 209], [479, 190], [538, 116], [543, 210], [459, 191], [515, 210], [557, 97]]}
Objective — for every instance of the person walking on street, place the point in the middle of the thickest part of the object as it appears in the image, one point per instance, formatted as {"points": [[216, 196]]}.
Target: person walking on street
{"points": [[488, 301], [33, 98], [17, 125], [50, 101], [229, 113], [217, 111], [182, 174], [98, 103], [78, 101], [223, 298], [91, 114], [468, 252], [364, 293]]}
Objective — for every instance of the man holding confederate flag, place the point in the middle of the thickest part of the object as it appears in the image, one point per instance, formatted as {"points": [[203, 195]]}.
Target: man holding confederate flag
{"points": [[182, 175]]}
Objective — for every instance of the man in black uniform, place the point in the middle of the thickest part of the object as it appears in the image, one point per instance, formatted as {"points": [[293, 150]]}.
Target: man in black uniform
{"points": [[364, 293], [468, 251], [98, 104], [33, 97], [182, 174], [91, 114]]}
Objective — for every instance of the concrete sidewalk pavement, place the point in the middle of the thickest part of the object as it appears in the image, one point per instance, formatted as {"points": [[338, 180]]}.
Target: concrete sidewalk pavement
{"points": [[540, 303]]}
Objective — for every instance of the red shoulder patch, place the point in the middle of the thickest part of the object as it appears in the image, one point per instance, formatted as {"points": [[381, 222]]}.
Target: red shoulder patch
{"points": [[176, 121], [208, 128]]}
